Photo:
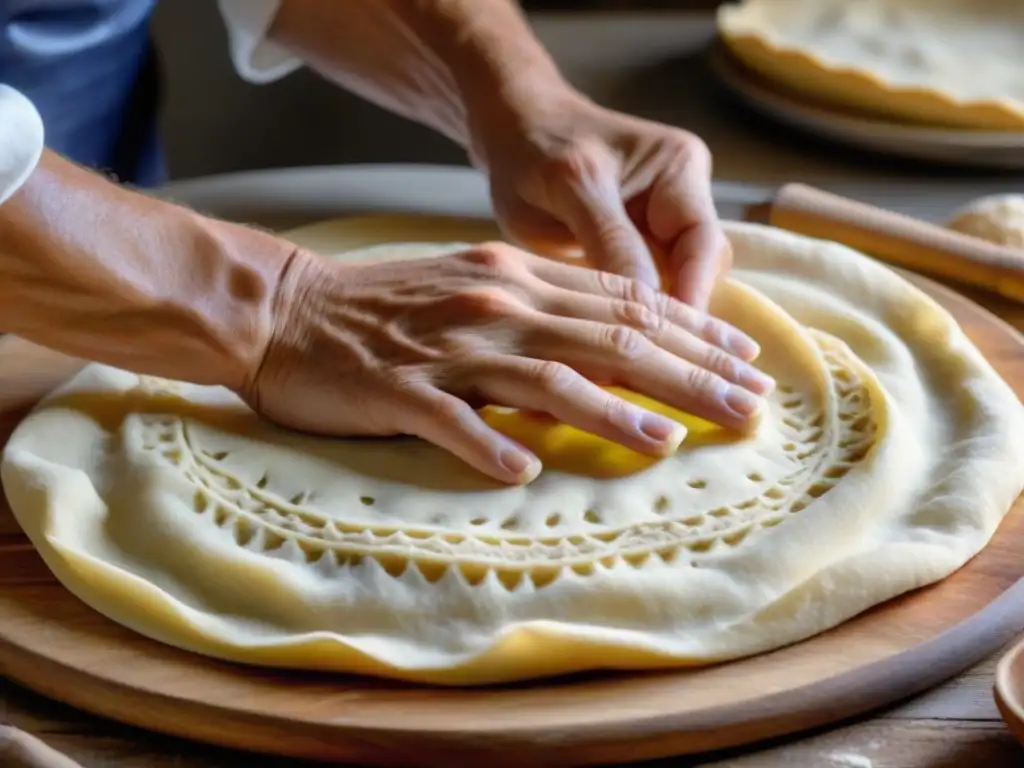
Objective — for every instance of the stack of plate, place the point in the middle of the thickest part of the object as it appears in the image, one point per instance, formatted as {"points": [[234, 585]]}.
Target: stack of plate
{"points": [[939, 80]]}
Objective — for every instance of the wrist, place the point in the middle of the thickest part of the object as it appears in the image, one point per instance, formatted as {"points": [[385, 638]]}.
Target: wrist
{"points": [[232, 309], [500, 71], [305, 290], [520, 105], [102, 273], [509, 134]]}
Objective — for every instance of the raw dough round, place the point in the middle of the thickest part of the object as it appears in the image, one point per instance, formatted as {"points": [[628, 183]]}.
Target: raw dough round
{"points": [[942, 62], [996, 218], [887, 458]]}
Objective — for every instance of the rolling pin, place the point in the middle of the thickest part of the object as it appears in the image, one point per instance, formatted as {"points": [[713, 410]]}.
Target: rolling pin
{"points": [[894, 238]]}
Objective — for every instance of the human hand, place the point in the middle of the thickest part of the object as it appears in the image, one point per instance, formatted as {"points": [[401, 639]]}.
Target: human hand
{"points": [[410, 347], [635, 195]]}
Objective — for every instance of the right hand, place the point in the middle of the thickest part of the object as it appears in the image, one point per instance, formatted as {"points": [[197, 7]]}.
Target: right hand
{"points": [[409, 347]]}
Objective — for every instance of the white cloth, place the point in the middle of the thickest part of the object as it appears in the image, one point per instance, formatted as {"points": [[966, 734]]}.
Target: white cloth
{"points": [[21, 140], [256, 59], [22, 137]]}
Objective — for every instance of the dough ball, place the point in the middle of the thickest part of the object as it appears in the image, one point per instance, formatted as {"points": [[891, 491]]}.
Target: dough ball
{"points": [[996, 218]]}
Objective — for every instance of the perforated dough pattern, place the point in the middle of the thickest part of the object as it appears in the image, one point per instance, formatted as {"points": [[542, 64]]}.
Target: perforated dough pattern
{"points": [[294, 529]]}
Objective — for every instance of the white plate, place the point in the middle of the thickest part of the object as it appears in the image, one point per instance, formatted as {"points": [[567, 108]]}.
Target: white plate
{"points": [[944, 145]]}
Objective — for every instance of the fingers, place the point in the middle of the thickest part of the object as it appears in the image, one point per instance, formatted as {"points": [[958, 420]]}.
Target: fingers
{"points": [[576, 281], [659, 329], [587, 198], [702, 255], [681, 214], [625, 355], [555, 389], [450, 423], [538, 385]]}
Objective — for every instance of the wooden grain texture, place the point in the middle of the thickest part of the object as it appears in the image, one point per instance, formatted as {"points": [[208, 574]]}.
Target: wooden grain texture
{"points": [[53, 643], [950, 727]]}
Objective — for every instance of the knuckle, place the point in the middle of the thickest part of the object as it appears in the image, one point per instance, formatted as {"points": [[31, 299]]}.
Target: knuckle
{"points": [[647, 321], [446, 410], [698, 323], [722, 363], [613, 285], [614, 236], [400, 380], [641, 293], [482, 303], [616, 411], [625, 342], [576, 163], [662, 305], [627, 289], [496, 258], [554, 377], [689, 148], [703, 382], [713, 331]]}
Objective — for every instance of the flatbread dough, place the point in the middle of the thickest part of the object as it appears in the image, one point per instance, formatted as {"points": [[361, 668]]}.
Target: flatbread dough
{"points": [[997, 219], [886, 459], [950, 63]]}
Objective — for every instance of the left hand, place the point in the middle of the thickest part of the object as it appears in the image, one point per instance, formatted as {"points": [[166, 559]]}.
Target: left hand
{"points": [[634, 194]]}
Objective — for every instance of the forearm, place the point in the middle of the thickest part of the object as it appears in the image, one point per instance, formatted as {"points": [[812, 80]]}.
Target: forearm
{"points": [[99, 272], [446, 63]]}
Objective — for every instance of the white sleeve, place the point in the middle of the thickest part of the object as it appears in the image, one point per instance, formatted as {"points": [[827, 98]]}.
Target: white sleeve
{"points": [[21, 140], [255, 58]]}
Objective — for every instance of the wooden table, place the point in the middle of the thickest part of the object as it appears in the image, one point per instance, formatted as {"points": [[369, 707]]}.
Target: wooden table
{"points": [[645, 65], [953, 726]]}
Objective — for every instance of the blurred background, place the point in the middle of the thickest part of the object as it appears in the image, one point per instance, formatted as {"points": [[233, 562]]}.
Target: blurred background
{"points": [[214, 123]]}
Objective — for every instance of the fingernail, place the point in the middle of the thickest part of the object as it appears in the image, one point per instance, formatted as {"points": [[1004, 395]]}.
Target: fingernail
{"points": [[757, 381], [742, 346], [743, 402], [522, 465], [662, 430]]}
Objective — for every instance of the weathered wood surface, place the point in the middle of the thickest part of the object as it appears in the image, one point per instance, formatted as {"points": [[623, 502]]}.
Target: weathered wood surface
{"points": [[953, 726]]}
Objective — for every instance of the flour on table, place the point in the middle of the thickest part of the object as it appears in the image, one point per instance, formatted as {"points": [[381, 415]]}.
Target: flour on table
{"points": [[887, 457]]}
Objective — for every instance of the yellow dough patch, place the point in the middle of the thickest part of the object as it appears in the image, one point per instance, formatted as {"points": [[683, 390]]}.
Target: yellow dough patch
{"points": [[569, 449]]}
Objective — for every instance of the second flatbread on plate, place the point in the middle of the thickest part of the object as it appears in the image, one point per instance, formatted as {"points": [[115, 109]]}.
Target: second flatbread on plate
{"points": [[954, 63], [887, 458]]}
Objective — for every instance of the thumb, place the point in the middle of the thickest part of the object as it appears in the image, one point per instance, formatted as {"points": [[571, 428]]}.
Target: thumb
{"points": [[588, 201], [696, 276]]}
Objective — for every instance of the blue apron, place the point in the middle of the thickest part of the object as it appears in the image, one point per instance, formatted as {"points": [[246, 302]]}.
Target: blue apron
{"points": [[90, 68]]}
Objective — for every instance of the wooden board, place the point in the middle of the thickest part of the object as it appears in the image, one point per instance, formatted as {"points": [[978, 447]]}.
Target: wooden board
{"points": [[51, 642]]}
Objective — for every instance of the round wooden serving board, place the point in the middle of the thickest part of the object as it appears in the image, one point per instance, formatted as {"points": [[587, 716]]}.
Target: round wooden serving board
{"points": [[51, 642]]}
